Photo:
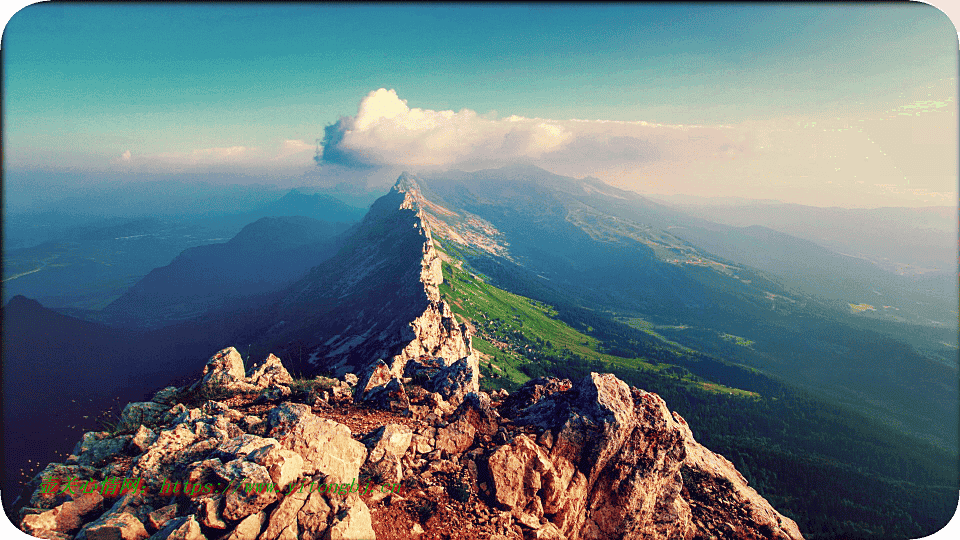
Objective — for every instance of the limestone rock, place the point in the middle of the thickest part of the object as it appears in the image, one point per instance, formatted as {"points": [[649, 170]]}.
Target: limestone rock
{"points": [[119, 526], [376, 375], [352, 522], [224, 372], [146, 413], [325, 446], [284, 466], [387, 446], [456, 380], [167, 396], [158, 518], [142, 439], [313, 517], [269, 373], [184, 528], [95, 448], [284, 516], [248, 528], [391, 397], [66, 518], [247, 498]]}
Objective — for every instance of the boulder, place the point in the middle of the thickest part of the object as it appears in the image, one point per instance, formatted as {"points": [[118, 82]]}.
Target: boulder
{"points": [[183, 528], [283, 519], [326, 446], [95, 448], [248, 528], [167, 396], [270, 372], [254, 489], [376, 375], [313, 518], [283, 465], [66, 518], [142, 439], [146, 413], [224, 372], [116, 526], [353, 521], [387, 446], [389, 397]]}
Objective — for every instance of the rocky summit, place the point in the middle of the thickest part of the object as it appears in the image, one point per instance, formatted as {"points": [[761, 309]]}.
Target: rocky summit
{"points": [[245, 454]]}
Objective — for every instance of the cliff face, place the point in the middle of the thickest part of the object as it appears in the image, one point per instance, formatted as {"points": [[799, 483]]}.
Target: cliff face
{"points": [[243, 455], [378, 298]]}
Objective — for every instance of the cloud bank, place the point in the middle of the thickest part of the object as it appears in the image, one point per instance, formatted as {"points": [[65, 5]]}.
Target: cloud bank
{"points": [[815, 159]]}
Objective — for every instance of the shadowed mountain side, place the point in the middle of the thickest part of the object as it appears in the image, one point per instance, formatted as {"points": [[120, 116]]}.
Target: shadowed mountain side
{"points": [[265, 256], [377, 298]]}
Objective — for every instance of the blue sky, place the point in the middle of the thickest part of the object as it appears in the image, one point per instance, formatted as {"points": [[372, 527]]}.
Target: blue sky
{"points": [[250, 87]]}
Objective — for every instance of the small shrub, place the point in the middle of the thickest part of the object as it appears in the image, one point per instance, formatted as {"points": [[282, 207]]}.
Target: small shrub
{"points": [[459, 491], [425, 509]]}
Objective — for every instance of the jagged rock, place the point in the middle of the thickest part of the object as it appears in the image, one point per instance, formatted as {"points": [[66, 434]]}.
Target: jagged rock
{"points": [[423, 367], [391, 397], [248, 528], [240, 446], [217, 409], [184, 528], [66, 518], [167, 396], [387, 446], [351, 379], [531, 392], [246, 498], [283, 465], [457, 380], [615, 470], [283, 519], [173, 412], [456, 437], [376, 375], [274, 393], [118, 526], [325, 446], [421, 444], [142, 439], [352, 522], [158, 518], [95, 448], [208, 512], [313, 517], [270, 372], [45, 501], [146, 413], [155, 464], [224, 372]]}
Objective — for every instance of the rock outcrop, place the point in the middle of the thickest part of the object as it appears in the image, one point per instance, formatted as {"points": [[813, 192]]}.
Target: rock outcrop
{"points": [[595, 459]]}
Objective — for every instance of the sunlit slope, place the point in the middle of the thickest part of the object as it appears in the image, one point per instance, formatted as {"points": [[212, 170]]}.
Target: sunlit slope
{"points": [[521, 336]]}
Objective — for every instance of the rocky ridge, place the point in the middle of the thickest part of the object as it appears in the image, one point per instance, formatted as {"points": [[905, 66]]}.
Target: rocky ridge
{"points": [[378, 298], [588, 459]]}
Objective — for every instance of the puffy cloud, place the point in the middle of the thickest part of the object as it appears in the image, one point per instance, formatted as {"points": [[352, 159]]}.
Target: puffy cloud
{"points": [[386, 131], [125, 156]]}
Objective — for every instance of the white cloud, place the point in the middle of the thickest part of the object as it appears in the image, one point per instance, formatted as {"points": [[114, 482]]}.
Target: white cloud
{"points": [[386, 131]]}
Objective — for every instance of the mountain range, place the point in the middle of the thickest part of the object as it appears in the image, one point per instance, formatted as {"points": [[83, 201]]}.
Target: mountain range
{"points": [[512, 274]]}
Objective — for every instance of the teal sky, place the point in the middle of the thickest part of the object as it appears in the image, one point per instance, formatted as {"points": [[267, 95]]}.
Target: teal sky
{"points": [[84, 84]]}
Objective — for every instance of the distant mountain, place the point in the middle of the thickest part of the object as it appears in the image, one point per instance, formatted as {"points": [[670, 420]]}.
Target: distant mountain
{"points": [[316, 205], [900, 240], [264, 256]]}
